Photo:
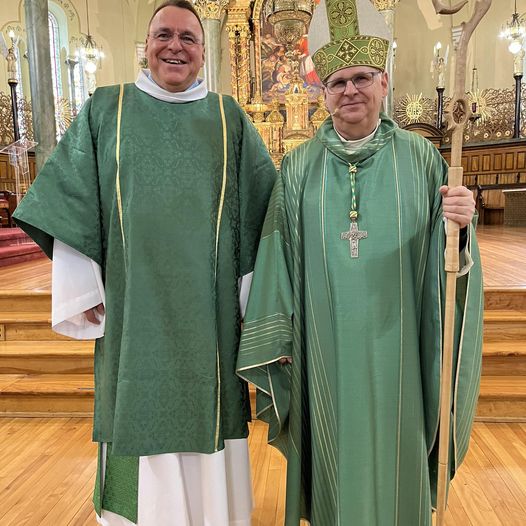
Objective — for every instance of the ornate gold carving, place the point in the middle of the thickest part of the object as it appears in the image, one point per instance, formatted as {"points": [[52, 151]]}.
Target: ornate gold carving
{"points": [[297, 108], [414, 108], [238, 36], [233, 45], [320, 114], [7, 135], [257, 59], [275, 116], [25, 121], [243, 64], [25, 118], [63, 115], [385, 5], [257, 109], [479, 105], [211, 9], [275, 121], [494, 114]]}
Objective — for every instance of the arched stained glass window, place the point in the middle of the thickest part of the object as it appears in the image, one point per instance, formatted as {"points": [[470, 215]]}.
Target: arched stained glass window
{"points": [[54, 47]]}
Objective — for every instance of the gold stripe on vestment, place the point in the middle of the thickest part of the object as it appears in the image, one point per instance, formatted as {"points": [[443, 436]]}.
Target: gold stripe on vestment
{"points": [[401, 373], [117, 177], [218, 227]]}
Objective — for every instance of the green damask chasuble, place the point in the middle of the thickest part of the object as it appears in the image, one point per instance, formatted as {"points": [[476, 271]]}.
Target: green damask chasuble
{"points": [[356, 413], [188, 229]]}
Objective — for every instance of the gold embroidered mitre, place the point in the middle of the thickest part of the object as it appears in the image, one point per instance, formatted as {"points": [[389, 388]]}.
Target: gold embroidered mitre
{"points": [[345, 33]]}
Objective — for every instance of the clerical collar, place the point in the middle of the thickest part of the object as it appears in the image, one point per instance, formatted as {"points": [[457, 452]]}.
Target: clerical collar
{"points": [[353, 146], [195, 92]]}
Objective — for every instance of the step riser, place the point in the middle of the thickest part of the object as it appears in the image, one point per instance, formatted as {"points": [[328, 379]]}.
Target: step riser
{"points": [[505, 330], [505, 300], [46, 365], [25, 303], [29, 332], [9, 242], [495, 410], [13, 260], [504, 366], [40, 403]]}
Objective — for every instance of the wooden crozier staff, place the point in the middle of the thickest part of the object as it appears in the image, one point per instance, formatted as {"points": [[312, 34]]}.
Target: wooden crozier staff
{"points": [[457, 115]]}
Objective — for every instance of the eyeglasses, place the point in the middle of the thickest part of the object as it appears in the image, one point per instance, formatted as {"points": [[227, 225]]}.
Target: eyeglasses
{"points": [[186, 39], [360, 81]]}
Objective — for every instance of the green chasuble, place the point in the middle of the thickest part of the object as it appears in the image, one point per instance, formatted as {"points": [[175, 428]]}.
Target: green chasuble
{"points": [[356, 413], [173, 235]]}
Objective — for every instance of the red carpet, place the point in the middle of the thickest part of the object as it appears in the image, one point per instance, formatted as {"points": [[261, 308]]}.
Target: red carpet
{"points": [[16, 247]]}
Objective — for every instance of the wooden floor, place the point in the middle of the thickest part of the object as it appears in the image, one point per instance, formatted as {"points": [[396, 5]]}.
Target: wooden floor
{"points": [[31, 276], [503, 252], [47, 466], [47, 469]]}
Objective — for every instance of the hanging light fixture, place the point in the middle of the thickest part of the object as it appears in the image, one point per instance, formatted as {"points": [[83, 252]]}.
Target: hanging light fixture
{"points": [[290, 19], [90, 52], [514, 30]]}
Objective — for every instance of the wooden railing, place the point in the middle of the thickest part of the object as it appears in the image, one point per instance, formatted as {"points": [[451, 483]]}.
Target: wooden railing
{"points": [[489, 168]]}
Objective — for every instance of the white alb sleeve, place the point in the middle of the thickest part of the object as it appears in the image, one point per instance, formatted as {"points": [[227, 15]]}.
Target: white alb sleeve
{"points": [[76, 287], [244, 290], [465, 259]]}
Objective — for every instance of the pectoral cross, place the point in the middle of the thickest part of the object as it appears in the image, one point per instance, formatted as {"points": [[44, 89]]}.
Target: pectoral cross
{"points": [[354, 235]]}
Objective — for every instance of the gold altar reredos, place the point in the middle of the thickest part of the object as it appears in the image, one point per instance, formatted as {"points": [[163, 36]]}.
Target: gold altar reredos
{"points": [[291, 110], [285, 118]]}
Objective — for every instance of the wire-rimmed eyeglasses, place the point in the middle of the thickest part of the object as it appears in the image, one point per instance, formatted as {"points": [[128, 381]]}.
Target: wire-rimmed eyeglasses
{"points": [[186, 39], [360, 81]]}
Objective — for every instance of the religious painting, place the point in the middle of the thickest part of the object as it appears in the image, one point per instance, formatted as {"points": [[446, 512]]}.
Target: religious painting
{"points": [[278, 65]]}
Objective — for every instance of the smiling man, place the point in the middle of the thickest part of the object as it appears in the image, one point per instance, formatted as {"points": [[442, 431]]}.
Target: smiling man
{"points": [[151, 207], [342, 334]]}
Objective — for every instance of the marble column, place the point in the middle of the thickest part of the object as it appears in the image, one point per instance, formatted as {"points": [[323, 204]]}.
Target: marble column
{"points": [[42, 100], [389, 100], [71, 62], [210, 12], [212, 52], [387, 8]]}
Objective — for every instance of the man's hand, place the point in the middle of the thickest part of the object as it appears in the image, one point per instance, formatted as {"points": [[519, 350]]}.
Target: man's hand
{"points": [[285, 361], [458, 204], [91, 314]]}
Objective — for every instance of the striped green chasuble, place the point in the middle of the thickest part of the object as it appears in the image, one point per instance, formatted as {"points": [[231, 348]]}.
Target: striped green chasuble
{"points": [[357, 411]]}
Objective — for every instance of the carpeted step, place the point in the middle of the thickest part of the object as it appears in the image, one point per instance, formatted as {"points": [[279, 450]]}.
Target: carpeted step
{"points": [[12, 236], [19, 253]]}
